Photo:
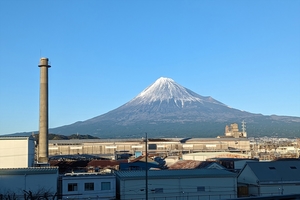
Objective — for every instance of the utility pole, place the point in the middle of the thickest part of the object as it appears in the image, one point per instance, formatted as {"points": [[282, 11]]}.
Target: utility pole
{"points": [[146, 152]]}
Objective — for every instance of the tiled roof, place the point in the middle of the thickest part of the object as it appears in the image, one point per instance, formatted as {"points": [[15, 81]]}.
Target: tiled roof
{"points": [[68, 166], [105, 163], [192, 164], [143, 159], [185, 164]]}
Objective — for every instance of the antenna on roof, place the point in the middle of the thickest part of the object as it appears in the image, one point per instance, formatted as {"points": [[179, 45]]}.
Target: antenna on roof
{"points": [[244, 128]]}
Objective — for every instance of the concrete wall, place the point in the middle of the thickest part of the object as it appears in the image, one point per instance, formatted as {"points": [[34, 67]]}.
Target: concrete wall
{"points": [[16, 152]]}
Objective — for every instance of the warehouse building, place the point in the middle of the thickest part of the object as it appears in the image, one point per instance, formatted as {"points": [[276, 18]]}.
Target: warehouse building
{"points": [[176, 184]]}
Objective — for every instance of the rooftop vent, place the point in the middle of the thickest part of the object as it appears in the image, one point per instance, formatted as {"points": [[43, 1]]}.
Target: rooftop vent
{"points": [[272, 168]]}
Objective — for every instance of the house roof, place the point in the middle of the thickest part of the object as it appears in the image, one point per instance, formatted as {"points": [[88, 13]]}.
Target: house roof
{"points": [[68, 166], [143, 159], [105, 163], [183, 173], [235, 159], [185, 164], [193, 164], [276, 171]]}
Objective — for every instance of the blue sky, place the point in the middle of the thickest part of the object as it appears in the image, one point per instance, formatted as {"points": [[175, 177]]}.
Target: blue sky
{"points": [[245, 54]]}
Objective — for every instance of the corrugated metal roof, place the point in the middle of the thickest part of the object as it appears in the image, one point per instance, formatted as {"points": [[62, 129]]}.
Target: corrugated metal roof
{"points": [[193, 140], [151, 140], [276, 171], [28, 171], [216, 154], [184, 173], [192, 164], [16, 138]]}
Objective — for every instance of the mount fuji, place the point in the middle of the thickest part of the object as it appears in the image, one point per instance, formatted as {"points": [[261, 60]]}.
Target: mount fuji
{"points": [[167, 109]]}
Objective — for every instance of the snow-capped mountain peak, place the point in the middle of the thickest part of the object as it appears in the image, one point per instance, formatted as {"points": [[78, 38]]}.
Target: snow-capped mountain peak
{"points": [[166, 89]]}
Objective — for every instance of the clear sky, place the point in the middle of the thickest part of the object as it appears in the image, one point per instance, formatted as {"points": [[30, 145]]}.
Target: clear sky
{"points": [[245, 54]]}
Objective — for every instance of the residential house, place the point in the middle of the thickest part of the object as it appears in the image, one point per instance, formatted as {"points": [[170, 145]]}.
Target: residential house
{"points": [[233, 164], [140, 163]]}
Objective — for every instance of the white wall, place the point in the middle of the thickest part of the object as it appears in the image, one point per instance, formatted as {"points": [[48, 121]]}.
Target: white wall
{"points": [[81, 179], [247, 176], [182, 188], [278, 189], [16, 152]]}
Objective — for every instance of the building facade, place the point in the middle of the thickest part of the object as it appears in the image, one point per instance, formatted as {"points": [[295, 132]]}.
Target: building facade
{"points": [[176, 184], [17, 152], [271, 178], [87, 186], [170, 146]]}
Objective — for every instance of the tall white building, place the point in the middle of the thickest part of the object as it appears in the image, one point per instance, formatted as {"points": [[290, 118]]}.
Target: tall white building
{"points": [[17, 152]]}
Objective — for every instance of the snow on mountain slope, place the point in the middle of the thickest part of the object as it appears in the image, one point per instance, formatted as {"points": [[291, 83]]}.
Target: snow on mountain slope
{"points": [[166, 89]]}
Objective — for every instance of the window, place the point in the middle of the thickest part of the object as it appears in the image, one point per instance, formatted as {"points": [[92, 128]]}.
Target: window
{"points": [[88, 186], [293, 167], [72, 187], [200, 189], [105, 185]]}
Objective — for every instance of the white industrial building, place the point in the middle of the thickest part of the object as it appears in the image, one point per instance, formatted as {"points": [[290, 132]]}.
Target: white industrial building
{"points": [[87, 186], [38, 181], [203, 156], [177, 184], [17, 152], [271, 178], [167, 146]]}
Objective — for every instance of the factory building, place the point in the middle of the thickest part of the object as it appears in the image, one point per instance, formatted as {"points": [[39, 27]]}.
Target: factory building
{"points": [[163, 146]]}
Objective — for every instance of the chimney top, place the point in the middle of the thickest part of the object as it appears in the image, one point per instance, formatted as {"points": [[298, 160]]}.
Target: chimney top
{"points": [[44, 62]]}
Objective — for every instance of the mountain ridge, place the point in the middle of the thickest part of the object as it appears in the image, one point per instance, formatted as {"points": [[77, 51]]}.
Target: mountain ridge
{"points": [[167, 108]]}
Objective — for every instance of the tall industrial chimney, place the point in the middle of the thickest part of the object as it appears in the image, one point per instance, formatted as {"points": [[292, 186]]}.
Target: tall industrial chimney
{"points": [[43, 125]]}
